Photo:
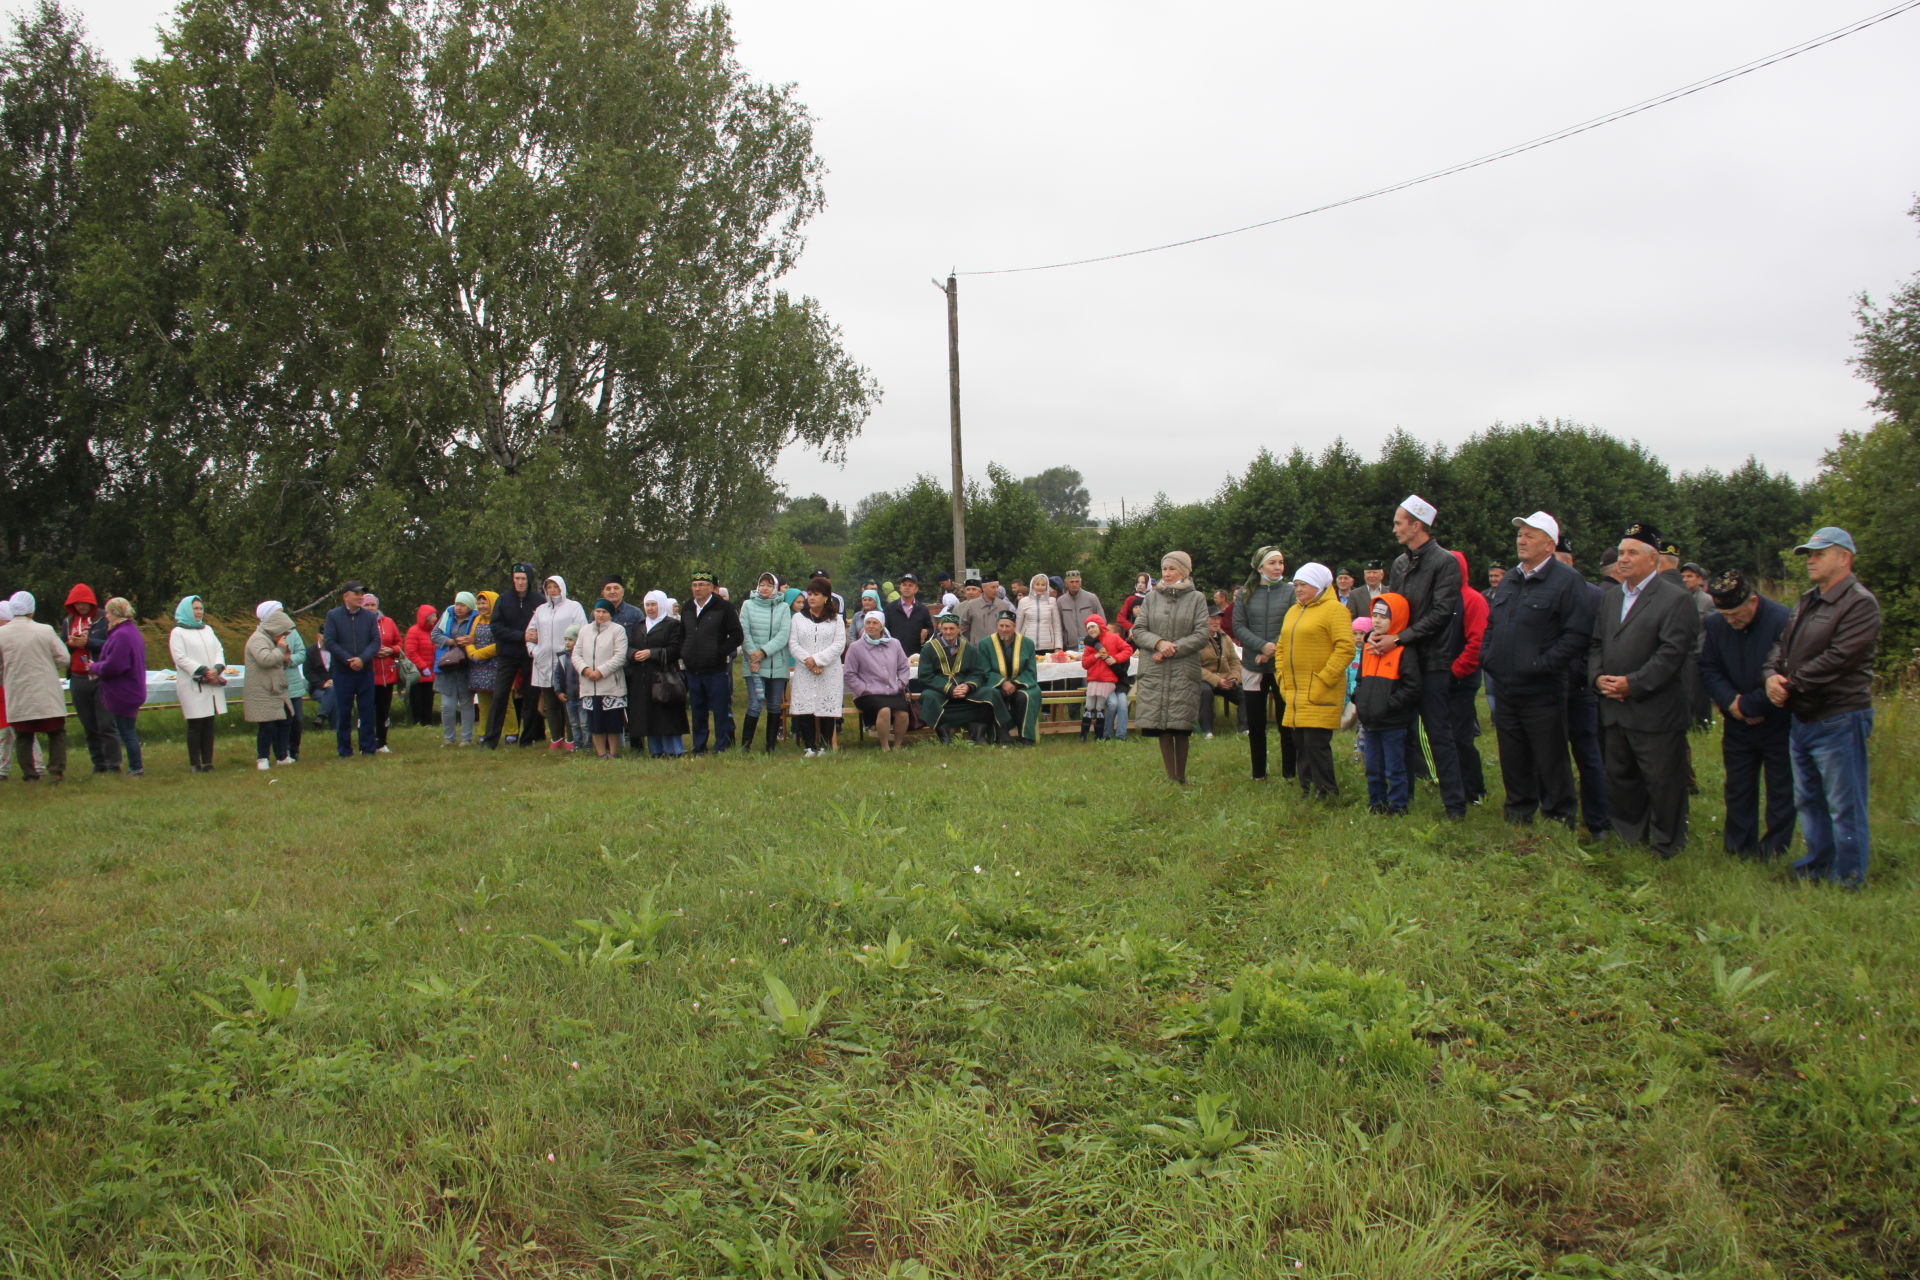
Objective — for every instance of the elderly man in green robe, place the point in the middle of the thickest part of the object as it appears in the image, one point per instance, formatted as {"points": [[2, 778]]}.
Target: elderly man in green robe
{"points": [[1013, 671], [955, 690]]}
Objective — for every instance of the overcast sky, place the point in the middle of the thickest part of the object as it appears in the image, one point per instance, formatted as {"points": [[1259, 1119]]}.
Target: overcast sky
{"points": [[1685, 278]]}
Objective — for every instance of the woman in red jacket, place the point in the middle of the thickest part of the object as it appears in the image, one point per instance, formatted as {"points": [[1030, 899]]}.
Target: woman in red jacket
{"points": [[1105, 656], [419, 650], [1461, 711], [386, 671]]}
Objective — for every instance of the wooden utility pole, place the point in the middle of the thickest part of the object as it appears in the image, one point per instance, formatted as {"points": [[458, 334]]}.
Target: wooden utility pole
{"points": [[952, 290]]}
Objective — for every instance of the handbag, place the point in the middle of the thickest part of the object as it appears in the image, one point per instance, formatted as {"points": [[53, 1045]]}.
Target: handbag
{"points": [[669, 687], [409, 674]]}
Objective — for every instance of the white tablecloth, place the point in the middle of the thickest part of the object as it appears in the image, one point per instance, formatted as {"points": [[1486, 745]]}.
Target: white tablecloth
{"points": [[163, 687]]}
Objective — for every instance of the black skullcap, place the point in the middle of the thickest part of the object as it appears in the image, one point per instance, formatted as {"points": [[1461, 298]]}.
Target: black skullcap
{"points": [[1643, 531], [1729, 590]]}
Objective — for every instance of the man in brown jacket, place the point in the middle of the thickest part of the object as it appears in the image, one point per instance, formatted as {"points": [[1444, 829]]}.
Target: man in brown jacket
{"points": [[1220, 668], [1821, 669]]}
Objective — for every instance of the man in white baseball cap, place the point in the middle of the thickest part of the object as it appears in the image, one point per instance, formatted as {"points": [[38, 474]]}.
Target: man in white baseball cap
{"points": [[1539, 623]]}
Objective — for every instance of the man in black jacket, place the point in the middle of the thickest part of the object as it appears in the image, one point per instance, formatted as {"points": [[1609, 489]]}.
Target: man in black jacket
{"points": [[1753, 732], [1642, 645], [512, 615], [713, 635], [351, 637], [1583, 714], [1539, 620], [1429, 577]]}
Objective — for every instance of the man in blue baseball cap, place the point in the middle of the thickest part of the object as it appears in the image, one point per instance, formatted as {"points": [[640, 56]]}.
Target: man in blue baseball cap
{"points": [[1821, 669]]}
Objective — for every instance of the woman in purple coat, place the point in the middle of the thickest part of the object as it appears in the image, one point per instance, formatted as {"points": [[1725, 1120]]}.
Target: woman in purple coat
{"points": [[876, 675], [121, 670]]}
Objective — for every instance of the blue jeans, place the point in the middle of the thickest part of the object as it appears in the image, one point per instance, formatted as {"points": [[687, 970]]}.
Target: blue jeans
{"points": [[710, 691], [130, 738], [1830, 790], [351, 690], [1388, 784], [1117, 714], [763, 691], [666, 746]]}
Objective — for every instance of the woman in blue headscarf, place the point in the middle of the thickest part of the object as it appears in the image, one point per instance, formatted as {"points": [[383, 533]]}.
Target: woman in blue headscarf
{"points": [[199, 678]]}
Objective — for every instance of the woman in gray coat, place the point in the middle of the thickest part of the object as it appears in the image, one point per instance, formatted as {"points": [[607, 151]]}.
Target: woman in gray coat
{"points": [[266, 701], [1169, 630]]}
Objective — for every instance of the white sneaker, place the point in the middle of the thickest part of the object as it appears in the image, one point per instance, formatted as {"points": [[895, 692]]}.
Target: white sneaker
{"points": [[383, 751], [1209, 737], [263, 764], [288, 760], [807, 754]]}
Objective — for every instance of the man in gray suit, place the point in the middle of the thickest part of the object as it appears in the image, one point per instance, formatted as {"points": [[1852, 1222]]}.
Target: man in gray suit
{"points": [[1642, 645]]}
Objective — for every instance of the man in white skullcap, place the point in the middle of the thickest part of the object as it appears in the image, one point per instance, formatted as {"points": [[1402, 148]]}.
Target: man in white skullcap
{"points": [[1429, 577]]}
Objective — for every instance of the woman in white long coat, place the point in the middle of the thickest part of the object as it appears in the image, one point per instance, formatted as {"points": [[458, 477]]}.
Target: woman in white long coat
{"points": [[816, 640], [199, 678]]}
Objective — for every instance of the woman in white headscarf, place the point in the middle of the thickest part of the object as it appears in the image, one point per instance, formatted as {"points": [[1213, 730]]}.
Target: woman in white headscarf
{"points": [[1038, 617], [656, 691], [1316, 645], [877, 675]]}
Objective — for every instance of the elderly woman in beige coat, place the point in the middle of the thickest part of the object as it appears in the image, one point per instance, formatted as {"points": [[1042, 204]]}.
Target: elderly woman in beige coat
{"points": [[1169, 630], [266, 701]]}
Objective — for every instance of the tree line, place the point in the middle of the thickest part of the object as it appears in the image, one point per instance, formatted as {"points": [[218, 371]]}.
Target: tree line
{"points": [[1335, 506], [402, 291]]}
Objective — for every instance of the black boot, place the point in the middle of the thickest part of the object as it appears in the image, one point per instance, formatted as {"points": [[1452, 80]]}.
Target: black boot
{"points": [[1100, 727], [1086, 727], [747, 728], [945, 735], [773, 731]]}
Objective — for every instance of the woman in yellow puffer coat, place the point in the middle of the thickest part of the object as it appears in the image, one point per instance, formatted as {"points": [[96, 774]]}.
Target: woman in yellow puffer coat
{"points": [[1316, 644]]}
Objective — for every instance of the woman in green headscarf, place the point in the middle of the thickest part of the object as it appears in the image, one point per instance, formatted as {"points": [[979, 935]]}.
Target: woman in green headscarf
{"points": [[199, 678]]}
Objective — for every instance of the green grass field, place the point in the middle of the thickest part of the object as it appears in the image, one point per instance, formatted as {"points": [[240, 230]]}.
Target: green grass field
{"points": [[957, 1013]]}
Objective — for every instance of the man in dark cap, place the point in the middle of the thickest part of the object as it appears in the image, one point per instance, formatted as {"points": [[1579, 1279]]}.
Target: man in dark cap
{"points": [[1821, 669], [632, 621], [712, 635], [512, 615], [1642, 645], [981, 614], [1360, 599], [1754, 733], [350, 634], [908, 621]]}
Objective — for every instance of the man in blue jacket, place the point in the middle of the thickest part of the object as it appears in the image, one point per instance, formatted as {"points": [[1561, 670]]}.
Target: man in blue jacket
{"points": [[351, 637], [1755, 734]]}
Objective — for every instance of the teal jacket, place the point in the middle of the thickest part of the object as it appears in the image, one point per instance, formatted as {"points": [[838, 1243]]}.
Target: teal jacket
{"points": [[766, 624], [296, 665]]}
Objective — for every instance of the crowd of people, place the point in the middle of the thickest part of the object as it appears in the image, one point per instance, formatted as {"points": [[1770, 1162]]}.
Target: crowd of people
{"points": [[1605, 678]]}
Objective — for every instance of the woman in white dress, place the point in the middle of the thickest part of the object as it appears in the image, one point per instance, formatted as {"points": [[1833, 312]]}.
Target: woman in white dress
{"points": [[816, 641], [199, 678]]}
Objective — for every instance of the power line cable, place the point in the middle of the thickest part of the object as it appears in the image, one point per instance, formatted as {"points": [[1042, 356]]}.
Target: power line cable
{"points": [[1558, 135]]}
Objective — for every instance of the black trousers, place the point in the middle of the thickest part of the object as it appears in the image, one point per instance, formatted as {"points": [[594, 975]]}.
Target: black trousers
{"points": [[1436, 717], [1229, 696], [1583, 736], [1464, 713], [1749, 752], [1531, 729], [1647, 786], [382, 711], [103, 735], [1313, 755], [1257, 705], [199, 741], [420, 703], [507, 668]]}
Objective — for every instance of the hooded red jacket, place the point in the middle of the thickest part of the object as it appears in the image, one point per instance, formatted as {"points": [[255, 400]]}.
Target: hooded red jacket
{"points": [[1473, 624], [92, 629], [418, 645]]}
